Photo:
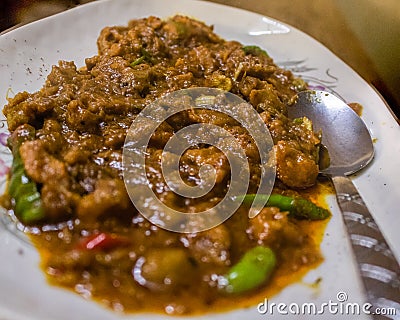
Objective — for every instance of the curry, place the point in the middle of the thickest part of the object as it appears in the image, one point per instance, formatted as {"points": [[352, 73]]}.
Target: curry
{"points": [[66, 184]]}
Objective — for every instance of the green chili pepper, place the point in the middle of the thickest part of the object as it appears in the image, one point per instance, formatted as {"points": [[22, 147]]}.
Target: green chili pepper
{"points": [[253, 269], [297, 207], [27, 202], [255, 50]]}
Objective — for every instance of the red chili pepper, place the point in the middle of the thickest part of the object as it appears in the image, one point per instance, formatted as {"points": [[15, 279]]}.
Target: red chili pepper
{"points": [[103, 241]]}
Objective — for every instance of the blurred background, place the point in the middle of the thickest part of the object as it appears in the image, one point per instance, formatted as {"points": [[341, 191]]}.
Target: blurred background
{"points": [[363, 33]]}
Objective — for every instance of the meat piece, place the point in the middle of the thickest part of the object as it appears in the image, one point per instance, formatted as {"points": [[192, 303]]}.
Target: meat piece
{"points": [[76, 155], [293, 167], [109, 195], [58, 201], [117, 76], [246, 142], [27, 108], [211, 246], [195, 158], [273, 228], [108, 42], [266, 97], [210, 117], [182, 31], [162, 134], [40, 165], [81, 119]]}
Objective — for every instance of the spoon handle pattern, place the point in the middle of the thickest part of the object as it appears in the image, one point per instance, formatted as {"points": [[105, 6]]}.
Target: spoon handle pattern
{"points": [[379, 270]]}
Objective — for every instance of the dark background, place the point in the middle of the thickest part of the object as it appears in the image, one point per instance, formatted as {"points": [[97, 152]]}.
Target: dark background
{"points": [[13, 12]]}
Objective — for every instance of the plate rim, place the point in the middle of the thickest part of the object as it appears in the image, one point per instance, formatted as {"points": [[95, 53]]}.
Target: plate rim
{"points": [[101, 2]]}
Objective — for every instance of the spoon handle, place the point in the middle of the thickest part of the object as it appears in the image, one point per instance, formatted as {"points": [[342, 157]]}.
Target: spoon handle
{"points": [[379, 270]]}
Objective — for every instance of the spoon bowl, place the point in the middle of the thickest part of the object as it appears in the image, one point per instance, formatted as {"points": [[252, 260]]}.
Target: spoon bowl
{"points": [[345, 135], [350, 149]]}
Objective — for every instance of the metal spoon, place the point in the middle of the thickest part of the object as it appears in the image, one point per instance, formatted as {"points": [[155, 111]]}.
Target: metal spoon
{"points": [[350, 149]]}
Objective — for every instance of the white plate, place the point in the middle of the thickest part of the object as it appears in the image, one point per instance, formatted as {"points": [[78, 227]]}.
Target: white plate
{"points": [[26, 57]]}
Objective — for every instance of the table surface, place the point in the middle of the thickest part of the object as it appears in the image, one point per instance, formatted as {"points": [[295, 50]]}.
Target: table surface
{"points": [[321, 19]]}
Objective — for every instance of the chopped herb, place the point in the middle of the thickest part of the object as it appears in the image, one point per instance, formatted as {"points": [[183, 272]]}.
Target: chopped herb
{"points": [[138, 61], [255, 50], [145, 56]]}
